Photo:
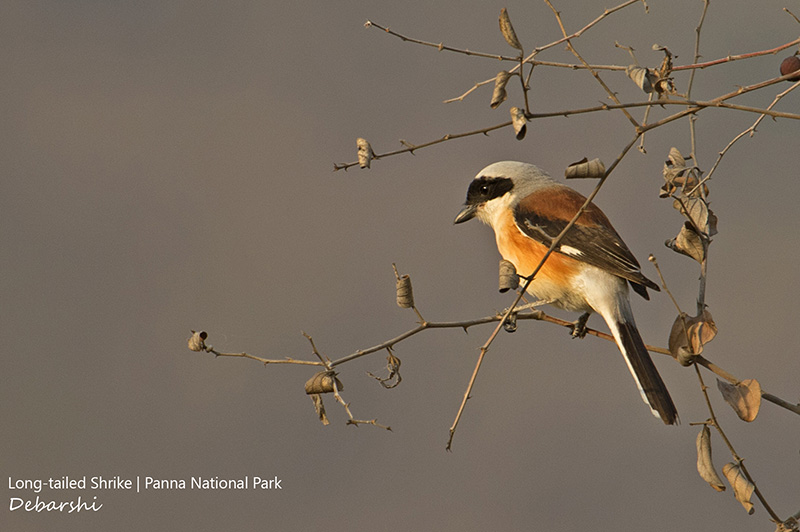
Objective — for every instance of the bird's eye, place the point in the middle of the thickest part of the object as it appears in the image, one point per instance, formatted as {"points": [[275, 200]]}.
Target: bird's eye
{"points": [[485, 189]]}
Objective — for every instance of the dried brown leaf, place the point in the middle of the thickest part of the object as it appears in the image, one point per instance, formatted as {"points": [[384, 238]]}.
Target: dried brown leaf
{"points": [[704, 464], [688, 242], [499, 94], [584, 169], [320, 408], [322, 382], [678, 335], [676, 158], [702, 330], [508, 277], [642, 77], [742, 488], [690, 334], [365, 153], [196, 341], [519, 122], [695, 209], [508, 30], [712, 222], [405, 294], [744, 398]]}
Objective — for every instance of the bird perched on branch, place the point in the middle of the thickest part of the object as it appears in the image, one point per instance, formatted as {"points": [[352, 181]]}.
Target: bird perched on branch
{"points": [[588, 271]]}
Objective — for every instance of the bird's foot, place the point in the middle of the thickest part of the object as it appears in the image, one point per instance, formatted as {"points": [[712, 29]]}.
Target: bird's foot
{"points": [[579, 326]]}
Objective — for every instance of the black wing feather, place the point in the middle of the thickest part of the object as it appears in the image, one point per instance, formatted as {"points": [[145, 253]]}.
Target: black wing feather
{"points": [[598, 245]]}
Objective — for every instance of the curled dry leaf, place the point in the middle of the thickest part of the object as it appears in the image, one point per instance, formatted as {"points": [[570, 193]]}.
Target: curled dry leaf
{"points": [[677, 175], [405, 295], [197, 341], [365, 153], [320, 408], [508, 30], [584, 169], [696, 210], [691, 333], [704, 465], [676, 158], [509, 280], [678, 335], [519, 122], [322, 382], [744, 398], [702, 330], [642, 77], [393, 365], [499, 94], [689, 243], [742, 488]]}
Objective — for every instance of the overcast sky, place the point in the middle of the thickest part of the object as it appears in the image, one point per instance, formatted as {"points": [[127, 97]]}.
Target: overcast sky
{"points": [[168, 166]]}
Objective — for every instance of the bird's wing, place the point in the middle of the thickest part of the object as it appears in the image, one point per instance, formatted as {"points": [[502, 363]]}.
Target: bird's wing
{"points": [[543, 215]]}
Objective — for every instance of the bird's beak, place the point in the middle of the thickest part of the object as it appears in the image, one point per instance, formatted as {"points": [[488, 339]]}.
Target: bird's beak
{"points": [[466, 214]]}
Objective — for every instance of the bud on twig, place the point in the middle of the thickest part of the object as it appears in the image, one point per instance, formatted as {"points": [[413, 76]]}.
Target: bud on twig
{"points": [[508, 30], [365, 153]]}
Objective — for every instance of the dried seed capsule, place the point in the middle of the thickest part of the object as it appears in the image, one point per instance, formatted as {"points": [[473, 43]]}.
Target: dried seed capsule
{"points": [[585, 169], [365, 153], [509, 280], [322, 382], [405, 295], [519, 122], [508, 30], [197, 341], [499, 94]]}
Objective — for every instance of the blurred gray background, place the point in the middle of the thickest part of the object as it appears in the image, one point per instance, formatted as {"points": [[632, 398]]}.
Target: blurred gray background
{"points": [[167, 166]]}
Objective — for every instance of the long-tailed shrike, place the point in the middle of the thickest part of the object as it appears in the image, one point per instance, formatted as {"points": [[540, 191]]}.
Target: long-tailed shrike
{"points": [[588, 271]]}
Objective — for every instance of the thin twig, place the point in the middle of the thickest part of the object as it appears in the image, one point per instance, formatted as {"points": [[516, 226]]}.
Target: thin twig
{"points": [[439, 46], [739, 57], [266, 361], [750, 130], [695, 106], [736, 457], [572, 49]]}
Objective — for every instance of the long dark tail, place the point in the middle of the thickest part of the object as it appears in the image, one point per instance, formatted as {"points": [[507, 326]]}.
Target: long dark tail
{"points": [[654, 391]]}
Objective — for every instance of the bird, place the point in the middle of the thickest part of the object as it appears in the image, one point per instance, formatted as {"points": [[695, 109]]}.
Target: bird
{"points": [[588, 271]]}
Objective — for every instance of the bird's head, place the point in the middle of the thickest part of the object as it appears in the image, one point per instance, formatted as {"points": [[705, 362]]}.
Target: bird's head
{"points": [[500, 186]]}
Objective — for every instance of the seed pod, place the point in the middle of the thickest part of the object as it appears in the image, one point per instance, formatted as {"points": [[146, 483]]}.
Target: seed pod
{"points": [[197, 341], [704, 465], [585, 169], [789, 65], [499, 94], [519, 122], [322, 382], [365, 153], [405, 295], [509, 280], [742, 488], [508, 30]]}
